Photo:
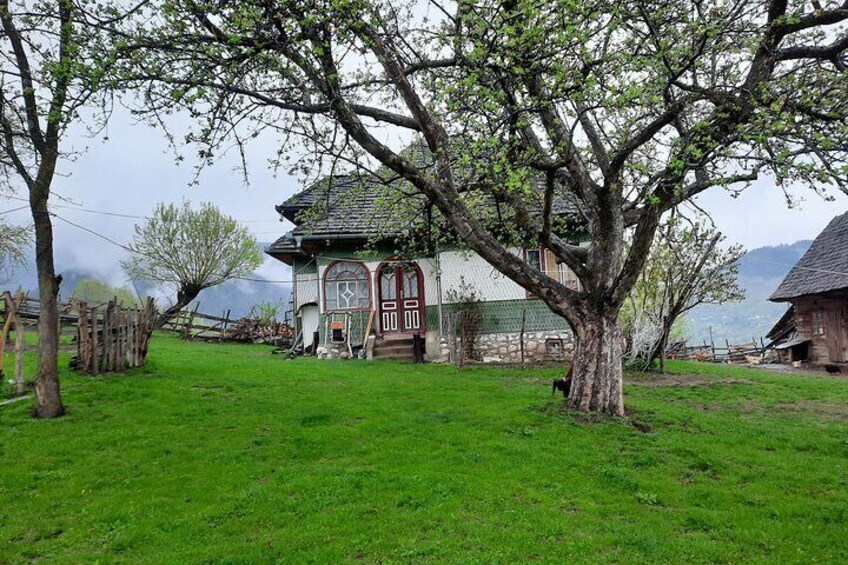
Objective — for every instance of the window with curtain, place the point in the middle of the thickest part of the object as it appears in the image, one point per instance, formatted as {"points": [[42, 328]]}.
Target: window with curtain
{"points": [[346, 286]]}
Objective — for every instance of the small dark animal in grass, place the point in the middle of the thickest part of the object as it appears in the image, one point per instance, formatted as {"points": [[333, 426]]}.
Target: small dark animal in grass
{"points": [[832, 369], [563, 384]]}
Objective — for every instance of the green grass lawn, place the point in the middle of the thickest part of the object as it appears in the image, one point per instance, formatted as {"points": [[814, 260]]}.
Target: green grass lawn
{"points": [[226, 454]]}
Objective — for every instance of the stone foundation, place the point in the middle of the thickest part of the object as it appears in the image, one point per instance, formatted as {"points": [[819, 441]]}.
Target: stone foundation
{"points": [[492, 348], [332, 351], [506, 347]]}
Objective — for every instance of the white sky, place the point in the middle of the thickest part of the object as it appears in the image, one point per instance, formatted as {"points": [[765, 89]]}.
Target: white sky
{"points": [[134, 170]]}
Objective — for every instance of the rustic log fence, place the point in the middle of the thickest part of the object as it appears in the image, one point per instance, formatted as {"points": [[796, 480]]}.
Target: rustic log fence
{"points": [[106, 337], [739, 354], [195, 325], [113, 338], [13, 319]]}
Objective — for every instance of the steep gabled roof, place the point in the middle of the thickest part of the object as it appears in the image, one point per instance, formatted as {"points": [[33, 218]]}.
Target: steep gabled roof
{"points": [[823, 268], [344, 205]]}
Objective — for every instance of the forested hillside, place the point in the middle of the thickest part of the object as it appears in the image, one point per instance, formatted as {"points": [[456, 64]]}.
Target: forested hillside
{"points": [[760, 272]]}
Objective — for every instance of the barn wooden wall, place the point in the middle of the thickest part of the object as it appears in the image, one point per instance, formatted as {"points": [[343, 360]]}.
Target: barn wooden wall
{"points": [[832, 347]]}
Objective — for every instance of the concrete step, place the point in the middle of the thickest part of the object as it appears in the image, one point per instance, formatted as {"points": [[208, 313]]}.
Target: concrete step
{"points": [[393, 353], [394, 347], [395, 357], [395, 340]]}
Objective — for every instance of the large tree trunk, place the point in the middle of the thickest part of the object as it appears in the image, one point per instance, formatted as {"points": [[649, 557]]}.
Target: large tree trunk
{"points": [[48, 400], [598, 356], [184, 297]]}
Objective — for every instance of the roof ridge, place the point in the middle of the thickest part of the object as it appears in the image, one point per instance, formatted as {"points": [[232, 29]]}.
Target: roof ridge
{"points": [[823, 268]]}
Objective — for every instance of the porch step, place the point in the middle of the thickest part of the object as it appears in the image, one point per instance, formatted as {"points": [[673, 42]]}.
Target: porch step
{"points": [[394, 348]]}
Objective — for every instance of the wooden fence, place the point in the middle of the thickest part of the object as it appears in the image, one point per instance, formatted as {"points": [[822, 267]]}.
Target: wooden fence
{"points": [[717, 353], [191, 324], [195, 325], [113, 338], [13, 319]]}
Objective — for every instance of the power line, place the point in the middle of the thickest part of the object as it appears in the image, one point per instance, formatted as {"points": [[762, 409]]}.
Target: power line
{"points": [[125, 248], [14, 210], [100, 235], [117, 214]]}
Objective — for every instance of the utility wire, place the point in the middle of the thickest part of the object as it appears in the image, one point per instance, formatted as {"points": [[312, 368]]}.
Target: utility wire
{"points": [[116, 214], [14, 210], [125, 248]]}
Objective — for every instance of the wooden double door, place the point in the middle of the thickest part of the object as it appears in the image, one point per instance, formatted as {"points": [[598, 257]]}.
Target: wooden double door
{"points": [[401, 294]]}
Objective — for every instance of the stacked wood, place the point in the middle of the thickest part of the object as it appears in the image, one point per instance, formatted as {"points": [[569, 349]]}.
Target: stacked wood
{"points": [[255, 330], [113, 338]]}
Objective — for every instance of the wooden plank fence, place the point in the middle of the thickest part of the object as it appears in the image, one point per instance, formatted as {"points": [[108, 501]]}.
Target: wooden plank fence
{"points": [[113, 338], [13, 319]]}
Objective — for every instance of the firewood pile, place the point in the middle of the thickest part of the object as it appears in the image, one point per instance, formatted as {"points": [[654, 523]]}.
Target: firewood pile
{"points": [[255, 330]]}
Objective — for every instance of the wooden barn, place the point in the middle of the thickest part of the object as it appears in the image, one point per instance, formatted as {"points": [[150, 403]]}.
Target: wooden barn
{"points": [[815, 328]]}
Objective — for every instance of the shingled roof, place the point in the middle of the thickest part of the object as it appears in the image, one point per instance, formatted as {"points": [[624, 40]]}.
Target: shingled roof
{"points": [[366, 206], [823, 268]]}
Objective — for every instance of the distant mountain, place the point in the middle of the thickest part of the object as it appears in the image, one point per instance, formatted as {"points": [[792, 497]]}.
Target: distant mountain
{"points": [[240, 296], [760, 273], [237, 296]]}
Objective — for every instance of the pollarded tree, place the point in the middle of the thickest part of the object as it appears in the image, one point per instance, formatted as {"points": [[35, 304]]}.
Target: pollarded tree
{"points": [[190, 250], [630, 107], [49, 81]]}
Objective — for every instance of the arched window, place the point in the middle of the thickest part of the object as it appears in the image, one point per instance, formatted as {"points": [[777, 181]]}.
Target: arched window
{"points": [[346, 286]]}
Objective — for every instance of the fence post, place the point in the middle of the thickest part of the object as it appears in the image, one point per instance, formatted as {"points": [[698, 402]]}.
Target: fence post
{"points": [[461, 356], [95, 343], [521, 335], [190, 323], [11, 308], [83, 340], [225, 325], [20, 389]]}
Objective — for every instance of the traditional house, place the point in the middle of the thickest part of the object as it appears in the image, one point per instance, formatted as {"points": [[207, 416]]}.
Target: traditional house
{"points": [[365, 280], [815, 328]]}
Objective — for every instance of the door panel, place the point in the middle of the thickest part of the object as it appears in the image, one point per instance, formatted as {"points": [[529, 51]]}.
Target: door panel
{"points": [[411, 303], [400, 298], [835, 335]]}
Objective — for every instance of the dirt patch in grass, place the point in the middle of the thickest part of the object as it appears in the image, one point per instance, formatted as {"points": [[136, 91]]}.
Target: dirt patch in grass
{"points": [[803, 408], [561, 410], [654, 380], [823, 409]]}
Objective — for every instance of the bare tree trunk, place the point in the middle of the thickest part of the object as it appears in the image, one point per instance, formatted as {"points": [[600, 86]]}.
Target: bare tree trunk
{"points": [[598, 356], [48, 400]]}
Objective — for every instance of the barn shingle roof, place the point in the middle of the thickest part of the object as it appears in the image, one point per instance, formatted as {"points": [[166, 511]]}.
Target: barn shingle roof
{"points": [[823, 268]]}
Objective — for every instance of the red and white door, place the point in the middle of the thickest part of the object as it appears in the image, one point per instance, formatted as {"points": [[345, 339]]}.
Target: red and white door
{"points": [[401, 298]]}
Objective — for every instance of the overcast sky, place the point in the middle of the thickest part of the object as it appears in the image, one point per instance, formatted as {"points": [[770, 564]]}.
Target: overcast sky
{"points": [[134, 170]]}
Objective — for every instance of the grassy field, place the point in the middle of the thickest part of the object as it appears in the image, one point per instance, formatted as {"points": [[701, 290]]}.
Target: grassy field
{"points": [[226, 454]]}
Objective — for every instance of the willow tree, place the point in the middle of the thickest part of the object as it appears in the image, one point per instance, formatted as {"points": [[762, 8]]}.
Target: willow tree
{"points": [[189, 251], [49, 81], [631, 107]]}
